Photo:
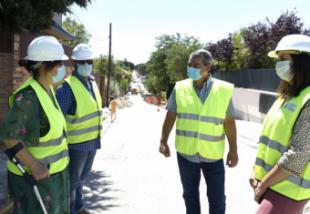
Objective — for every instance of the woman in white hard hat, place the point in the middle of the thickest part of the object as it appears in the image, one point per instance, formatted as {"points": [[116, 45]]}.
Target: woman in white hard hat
{"points": [[281, 175], [34, 132]]}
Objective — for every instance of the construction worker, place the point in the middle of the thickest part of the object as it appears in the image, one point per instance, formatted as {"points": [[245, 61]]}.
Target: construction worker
{"points": [[81, 103], [202, 108], [34, 132], [281, 176]]}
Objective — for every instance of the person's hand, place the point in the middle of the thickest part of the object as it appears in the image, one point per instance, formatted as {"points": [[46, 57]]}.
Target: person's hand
{"points": [[39, 170], [253, 181], [259, 191], [232, 159], [164, 149]]}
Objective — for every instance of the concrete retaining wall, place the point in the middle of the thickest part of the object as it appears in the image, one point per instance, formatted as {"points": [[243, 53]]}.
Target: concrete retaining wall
{"points": [[252, 105]]}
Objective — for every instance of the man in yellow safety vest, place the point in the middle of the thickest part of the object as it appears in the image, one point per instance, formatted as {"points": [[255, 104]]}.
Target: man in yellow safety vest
{"points": [[203, 111], [81, 103]]}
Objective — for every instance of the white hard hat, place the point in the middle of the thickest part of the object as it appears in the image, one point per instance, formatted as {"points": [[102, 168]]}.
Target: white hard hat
{"points": [[45, 48], [82, 52], [294, 42]]}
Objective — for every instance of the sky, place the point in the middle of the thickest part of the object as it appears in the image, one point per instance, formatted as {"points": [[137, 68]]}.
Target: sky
{"points": [[137, 23]]}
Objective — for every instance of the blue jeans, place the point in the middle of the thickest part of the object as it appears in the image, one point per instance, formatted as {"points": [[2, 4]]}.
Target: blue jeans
{"points": [[79, 167], [214, 175]]}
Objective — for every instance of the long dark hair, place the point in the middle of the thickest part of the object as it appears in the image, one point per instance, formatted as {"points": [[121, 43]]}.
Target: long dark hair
{"points": [[34, 66], [301, 76]]}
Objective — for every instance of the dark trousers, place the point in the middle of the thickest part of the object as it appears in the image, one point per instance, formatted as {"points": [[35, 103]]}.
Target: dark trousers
{"points": [[214, 175], [79, 167]]}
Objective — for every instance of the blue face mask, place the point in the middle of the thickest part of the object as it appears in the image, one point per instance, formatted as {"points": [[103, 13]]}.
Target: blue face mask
{"points": [[60, 74], [193, 73], [84, 69]]}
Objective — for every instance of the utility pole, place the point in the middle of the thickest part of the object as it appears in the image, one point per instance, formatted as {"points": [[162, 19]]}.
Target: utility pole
{"points": [[109, 66]]}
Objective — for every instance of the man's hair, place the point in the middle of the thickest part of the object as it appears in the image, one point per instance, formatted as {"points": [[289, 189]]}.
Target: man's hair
{"points": [[204, 54], [301, 76]]}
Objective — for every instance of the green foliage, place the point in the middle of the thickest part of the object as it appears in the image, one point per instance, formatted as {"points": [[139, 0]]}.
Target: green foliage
{"points": [[177, 58], [141, 69], [33, 14], [263, 37], [120, 75], [126, 64], [101, 64], [240, 53], [124, 84], [168, 63], [77, 30]]}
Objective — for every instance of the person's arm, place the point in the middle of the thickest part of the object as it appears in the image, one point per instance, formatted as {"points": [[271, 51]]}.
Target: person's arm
{"points": [[274, 176], [38, 169], [293, 161], [168, 125], [21, 125], [231, 134]]}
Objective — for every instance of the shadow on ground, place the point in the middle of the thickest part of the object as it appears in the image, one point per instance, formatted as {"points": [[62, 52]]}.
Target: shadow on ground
{"points": [[96, 188]]}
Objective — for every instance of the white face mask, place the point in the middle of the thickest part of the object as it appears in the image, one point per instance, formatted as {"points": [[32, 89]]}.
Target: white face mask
{"points": [[283, 70]]}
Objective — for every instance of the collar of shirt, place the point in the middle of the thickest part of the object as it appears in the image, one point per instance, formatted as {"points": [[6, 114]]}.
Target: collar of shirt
{"points": [[206, 84]]}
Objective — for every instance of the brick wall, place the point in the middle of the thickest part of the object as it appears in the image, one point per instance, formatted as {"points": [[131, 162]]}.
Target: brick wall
{"points": [[6, 68], [20, 74]]}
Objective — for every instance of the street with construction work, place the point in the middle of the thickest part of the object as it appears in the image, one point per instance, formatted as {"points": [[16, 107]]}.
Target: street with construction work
{"points": [[130, 175]]}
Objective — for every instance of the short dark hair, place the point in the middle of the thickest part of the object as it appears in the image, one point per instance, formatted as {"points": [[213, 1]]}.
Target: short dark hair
{"points": [[301, 76], [33, 66]]}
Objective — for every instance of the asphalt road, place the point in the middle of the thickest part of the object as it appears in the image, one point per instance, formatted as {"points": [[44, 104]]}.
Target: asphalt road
{"points": [[130, 175]]}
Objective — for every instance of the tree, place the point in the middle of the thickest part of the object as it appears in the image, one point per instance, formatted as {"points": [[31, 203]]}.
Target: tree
{"points": [[168, 63], [240, 52], [126, 64], [264, 36], [32, 14], [256, 38], [249, 47], [120, 76], [177, 57], [222, 52], [141, 69], [77, 30], [101, 64], [287, 23]]}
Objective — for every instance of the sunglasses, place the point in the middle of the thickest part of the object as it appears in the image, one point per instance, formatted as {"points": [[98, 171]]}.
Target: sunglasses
{"points": [[85, 61]]}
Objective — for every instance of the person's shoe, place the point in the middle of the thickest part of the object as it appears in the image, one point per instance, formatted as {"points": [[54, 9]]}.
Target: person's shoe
{"points": [[83, 211]]}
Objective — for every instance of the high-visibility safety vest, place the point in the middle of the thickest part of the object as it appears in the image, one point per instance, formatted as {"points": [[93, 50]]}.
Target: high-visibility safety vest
{"points": [[276, 139], [52, 148], [86, 124], [200, 126]]}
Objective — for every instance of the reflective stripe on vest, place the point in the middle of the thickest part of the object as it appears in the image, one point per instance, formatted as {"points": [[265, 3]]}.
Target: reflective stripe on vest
{"points": [[52, 148], [200, 136], [84, 118], [276, 139], [294, 179], [86, 124], [199, 126], [56, 157], [200, 118], [84, 131]]}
